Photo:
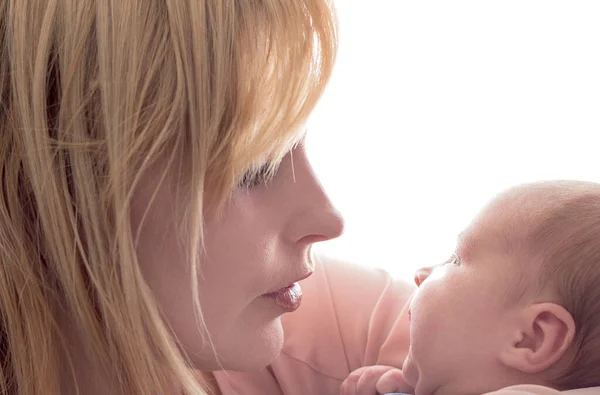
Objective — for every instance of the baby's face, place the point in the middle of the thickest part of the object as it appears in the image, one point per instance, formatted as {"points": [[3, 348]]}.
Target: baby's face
{"points": [[458, 312]]}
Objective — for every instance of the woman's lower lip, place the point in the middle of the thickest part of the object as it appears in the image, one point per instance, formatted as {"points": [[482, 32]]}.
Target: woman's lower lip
{"points": [[288, 298]]}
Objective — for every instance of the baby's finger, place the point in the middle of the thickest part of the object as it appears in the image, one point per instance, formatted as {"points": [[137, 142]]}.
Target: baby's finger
{"points": [[393, 381], [368, 380], [349, 386]]}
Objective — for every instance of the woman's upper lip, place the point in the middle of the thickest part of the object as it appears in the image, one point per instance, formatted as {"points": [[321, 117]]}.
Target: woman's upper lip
{"points": [[305, 276], [291, 282]]}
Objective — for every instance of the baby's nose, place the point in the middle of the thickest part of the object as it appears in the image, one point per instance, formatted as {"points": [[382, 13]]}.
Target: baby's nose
{"points": [[422, 274]]}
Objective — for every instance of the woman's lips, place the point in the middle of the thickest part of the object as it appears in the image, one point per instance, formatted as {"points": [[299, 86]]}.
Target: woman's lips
{"points": [[288, 298]]}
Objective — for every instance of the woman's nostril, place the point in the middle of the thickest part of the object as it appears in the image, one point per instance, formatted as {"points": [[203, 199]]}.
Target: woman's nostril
{"points": [[312, 239], [316, 225]]}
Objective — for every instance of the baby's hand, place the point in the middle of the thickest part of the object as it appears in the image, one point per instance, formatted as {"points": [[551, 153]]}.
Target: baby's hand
{"points": [[373, 380]]}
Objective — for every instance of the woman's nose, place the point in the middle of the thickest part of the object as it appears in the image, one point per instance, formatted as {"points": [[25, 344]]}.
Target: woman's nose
{"points": [[314, 217], [422, 274], [320, 224]]}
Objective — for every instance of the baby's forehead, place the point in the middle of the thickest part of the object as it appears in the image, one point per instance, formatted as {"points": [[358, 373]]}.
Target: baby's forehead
{"points": [[503, 226], [479, 241], [522, 215]]}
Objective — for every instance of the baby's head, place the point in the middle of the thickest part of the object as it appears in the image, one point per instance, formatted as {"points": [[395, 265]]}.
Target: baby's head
{"points": [[519, 300]]}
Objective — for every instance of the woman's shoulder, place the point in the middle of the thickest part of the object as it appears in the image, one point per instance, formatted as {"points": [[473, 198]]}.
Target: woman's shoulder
{"points": [[357, 299], [348, 314]]}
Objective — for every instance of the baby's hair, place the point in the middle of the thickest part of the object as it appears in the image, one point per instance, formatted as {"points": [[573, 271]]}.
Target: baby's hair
{"points": [[563, 248]]}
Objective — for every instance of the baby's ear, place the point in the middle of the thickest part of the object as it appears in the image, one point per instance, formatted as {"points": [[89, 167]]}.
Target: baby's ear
{"points": [[543, 335]]}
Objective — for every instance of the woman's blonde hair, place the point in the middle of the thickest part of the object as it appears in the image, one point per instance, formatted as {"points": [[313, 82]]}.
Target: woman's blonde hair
{"points": [[93, 95]]}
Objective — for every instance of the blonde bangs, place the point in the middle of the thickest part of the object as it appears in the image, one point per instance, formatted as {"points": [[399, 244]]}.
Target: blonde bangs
{"points": [[281, 55]]}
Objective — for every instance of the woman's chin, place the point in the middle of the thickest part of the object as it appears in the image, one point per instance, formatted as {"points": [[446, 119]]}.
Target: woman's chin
{"points": [[247, 350], [263, 348]]}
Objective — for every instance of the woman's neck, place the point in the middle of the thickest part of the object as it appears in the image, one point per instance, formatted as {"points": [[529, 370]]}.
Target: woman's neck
{"points": [[89, 375], [212, 387]]}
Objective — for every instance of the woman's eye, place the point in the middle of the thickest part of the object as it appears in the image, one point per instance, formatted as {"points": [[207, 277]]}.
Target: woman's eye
{"points": [[253, 178]]}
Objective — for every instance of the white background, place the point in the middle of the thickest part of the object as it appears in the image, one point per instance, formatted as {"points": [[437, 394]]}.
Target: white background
{"points": [[435, 106]]}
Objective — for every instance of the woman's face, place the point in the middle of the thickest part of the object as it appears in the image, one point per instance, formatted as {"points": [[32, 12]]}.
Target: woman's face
{"points": [[254, 251]]}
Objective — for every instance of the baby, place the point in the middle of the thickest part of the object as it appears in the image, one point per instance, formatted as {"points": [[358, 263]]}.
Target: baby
{"points": [[516, 308]]}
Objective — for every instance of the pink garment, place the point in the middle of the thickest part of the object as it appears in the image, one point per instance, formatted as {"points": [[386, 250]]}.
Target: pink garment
{"points": [[539, 390], [350, 317]]}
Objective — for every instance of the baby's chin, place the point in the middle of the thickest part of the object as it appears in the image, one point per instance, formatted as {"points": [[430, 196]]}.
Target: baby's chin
{"points": [[410, 371], [422, 382]]}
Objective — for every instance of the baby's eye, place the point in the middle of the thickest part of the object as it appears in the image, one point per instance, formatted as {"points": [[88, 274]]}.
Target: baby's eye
{"points": [[454, 260]]}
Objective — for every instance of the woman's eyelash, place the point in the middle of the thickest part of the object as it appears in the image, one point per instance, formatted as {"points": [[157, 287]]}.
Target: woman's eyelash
{"points": [[253, 178]]}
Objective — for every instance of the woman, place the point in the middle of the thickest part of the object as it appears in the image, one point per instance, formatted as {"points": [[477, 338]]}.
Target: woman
{"points": [[157, 205]]}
